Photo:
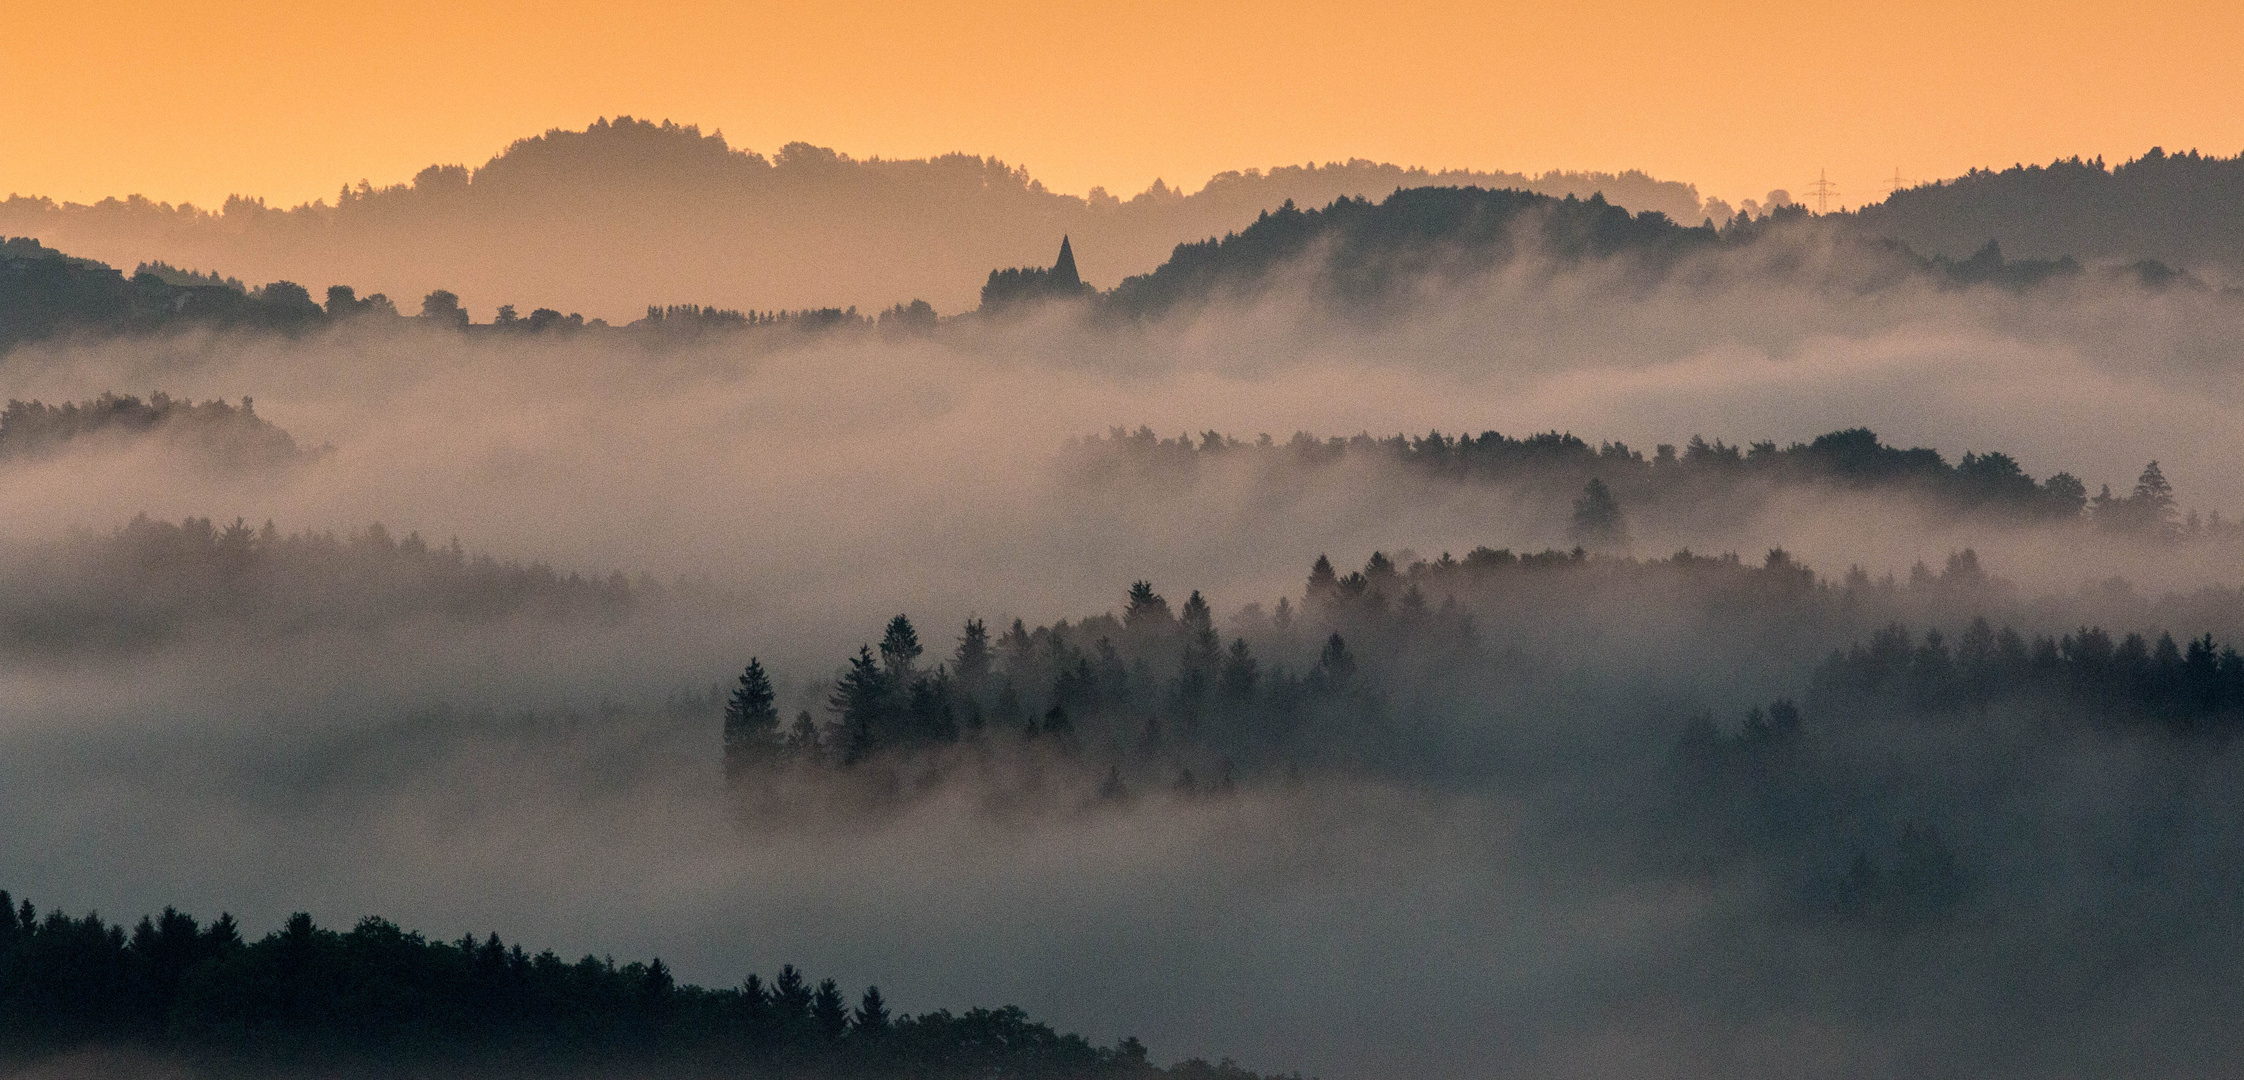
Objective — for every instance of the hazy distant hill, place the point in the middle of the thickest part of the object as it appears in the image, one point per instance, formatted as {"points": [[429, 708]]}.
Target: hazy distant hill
{"points": [[2185, 210], [628, 212]]}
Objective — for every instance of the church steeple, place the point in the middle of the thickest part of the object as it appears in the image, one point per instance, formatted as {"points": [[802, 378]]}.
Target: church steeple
{"points": [[1063, 276]]}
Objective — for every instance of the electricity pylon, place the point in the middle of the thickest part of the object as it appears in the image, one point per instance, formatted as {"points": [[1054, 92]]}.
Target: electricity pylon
{"points": [[1823, 189]]}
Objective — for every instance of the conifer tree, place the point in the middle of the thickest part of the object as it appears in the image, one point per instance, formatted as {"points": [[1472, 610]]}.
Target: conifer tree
{"points": [[802, 737], [751, 721], [899, 649], [1335, 665], [2152, 502], [1324, 584], [1597, 516], [1197, 667], [971, 666], [829, 1013], [1240, 672], [860, 699], [791, 1000], [871, 1020], [1146, 609]]}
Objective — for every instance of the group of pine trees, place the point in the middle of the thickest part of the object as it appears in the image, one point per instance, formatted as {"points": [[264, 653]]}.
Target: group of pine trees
{"points": [[1311, 683], [1152, 680], [1161, 684], [379, 997]]}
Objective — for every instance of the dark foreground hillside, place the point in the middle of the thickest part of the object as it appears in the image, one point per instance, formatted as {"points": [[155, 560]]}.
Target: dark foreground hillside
{"points": [[381, 1000]]}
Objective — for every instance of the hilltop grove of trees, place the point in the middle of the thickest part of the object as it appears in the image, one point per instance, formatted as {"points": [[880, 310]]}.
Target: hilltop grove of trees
{"points": [[223, 434]]}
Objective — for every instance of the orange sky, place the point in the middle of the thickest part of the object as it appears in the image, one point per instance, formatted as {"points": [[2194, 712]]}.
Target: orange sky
{"points": [[289, 100]]}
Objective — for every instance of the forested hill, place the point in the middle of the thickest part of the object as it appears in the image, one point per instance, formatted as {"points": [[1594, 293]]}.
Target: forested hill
{"points": [[1368, 248], [1358, 253], [378, 1000], [2186, 210], [603, 219]]}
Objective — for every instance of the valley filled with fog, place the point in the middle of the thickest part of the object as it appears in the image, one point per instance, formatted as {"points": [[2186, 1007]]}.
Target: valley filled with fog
{"points": [[1523, 781]]}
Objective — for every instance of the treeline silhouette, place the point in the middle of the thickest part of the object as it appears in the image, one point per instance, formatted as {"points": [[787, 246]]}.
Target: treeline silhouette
{"points": [[379, 997], [1355, 256], [227, 435], [1825, 790], [46, 294], [2181, 209], [1171, 701], [2198, 686], [1611, 479], [600, 218], [1160, 698], [1361, 257], [150, 582]]}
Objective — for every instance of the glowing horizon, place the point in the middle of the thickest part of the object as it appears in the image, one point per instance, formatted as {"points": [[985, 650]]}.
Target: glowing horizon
{"points": [[287, 103]]}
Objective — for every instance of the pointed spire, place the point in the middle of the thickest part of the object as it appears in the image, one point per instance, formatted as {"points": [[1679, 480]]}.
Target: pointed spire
{"points": [[1064, 277]]}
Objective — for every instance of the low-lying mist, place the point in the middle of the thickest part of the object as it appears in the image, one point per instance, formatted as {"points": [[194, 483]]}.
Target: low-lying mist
{"points": [[1534, 892]]}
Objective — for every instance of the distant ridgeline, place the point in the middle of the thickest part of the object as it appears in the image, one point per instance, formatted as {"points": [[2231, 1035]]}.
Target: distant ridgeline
{"points": [[379, 1000], [1613, 480], [626, 209], [2183, 209], [1349, 677], [1362, 254], [46, 294], [226, 435], [152, 582]]}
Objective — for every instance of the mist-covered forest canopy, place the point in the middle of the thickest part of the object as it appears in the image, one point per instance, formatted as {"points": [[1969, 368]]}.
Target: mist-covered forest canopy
{"points": [[148, 583], [1369, 256], [1611, 482], [378, 999], [1353, 674], [666, 210], [1354, 257], [2182, 210], [1855, 696], [1893, 788], [217, 433]]}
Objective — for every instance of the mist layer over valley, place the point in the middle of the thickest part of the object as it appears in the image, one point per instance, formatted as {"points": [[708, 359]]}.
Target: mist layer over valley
{"points": [[1528, 794]]}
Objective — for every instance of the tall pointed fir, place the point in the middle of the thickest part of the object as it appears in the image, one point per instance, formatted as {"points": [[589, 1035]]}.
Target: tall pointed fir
{"points": [[751, 721]]}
